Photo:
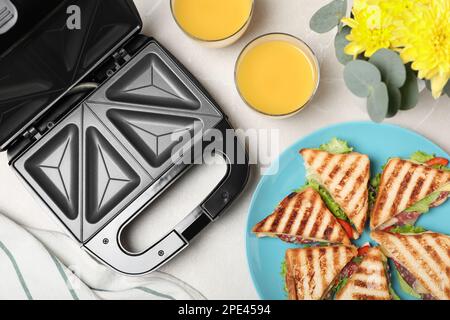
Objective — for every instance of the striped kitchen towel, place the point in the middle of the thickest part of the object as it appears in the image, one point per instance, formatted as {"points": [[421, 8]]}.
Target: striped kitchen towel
{"points": [[36, 264]]}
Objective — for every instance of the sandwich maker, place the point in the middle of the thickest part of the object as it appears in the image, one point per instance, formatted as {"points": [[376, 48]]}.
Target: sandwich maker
{"points": [[99, 120]]}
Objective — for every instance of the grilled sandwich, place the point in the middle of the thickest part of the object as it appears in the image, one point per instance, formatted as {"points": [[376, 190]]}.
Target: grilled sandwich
{"points": [[302, 217], [422, 261], [310, 272], [344, 178], [407, 190], [370, 279]]}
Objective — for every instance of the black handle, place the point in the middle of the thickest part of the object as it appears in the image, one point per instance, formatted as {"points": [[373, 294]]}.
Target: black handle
{"points": [[229, 188]]}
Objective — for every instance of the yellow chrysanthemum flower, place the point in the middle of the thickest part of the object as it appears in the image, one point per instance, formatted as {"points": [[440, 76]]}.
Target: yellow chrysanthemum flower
{"points": [[425, 41], [418, 29], [372, 29]]}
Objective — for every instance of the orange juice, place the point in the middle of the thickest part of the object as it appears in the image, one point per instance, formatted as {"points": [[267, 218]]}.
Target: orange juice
{"points": [[277, 74], [212, 20]]}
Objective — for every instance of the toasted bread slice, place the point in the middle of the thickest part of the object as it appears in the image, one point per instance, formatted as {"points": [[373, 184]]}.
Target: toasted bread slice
{"points": [[404, 183], [304, 216], [425, 255], [370, 281], [310, 272], [345, 177]]}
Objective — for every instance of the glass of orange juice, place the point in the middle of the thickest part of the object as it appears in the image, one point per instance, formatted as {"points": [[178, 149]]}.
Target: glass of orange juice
{"points": [[216, 23], [277, 74]]}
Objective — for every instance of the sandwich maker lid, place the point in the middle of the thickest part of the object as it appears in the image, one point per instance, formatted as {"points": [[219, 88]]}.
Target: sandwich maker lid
{"points": [[41, 58]]}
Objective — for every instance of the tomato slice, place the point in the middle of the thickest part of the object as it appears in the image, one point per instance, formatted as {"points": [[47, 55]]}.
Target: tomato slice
{"points": [[438, 161], [388, 229], [363, 250], [347, 228]]}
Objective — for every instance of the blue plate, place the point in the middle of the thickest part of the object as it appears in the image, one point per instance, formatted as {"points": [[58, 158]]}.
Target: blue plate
{"points": [[379, 142]]}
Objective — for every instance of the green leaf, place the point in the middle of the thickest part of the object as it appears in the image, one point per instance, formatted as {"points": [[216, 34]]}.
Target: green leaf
{"points": [[395, 101], [375, 181], [329, 201], [361, 77], [391, 66], [407, 228], [336, 146], [378, 102], [442, 168], [373, 188], [283, 268], [410, 91], [328, 16], [406, 287], [340, 42], [340, 285], [421, 157], [423, 205]]}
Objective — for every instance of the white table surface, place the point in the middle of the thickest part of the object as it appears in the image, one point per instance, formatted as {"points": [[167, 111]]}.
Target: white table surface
{"points": [[216, 262]]}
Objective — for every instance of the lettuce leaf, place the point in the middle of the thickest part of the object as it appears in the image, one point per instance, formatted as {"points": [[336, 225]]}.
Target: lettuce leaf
{"points": [[406, 287], [421, 157], [340, 285], [394, 294], [283, 275], [408, 229], [329, 201], [336, 146], [373, 188], [423, 205], [441, 167], [283, 268]]}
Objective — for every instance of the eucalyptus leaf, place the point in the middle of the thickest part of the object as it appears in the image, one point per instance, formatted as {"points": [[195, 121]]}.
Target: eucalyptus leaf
{"points": [[361, 77], [410, 91], [340, 42], [395, 101], [378, 102], [391, 67], [329, 16]]}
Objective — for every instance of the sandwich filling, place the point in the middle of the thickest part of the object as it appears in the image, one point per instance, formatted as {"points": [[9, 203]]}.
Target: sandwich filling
{"points": [[295, 239], [409, 283], [351, 268], [346, 273], [410, 215], [387, 269], [334, 146], [333, 206]]}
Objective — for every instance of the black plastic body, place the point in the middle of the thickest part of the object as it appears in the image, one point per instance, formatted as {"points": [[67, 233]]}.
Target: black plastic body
{"points": [[41, 58]]}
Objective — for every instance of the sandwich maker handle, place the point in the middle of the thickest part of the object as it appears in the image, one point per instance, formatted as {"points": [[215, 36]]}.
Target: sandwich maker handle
{"points": [[116, 256], [229, 188]]}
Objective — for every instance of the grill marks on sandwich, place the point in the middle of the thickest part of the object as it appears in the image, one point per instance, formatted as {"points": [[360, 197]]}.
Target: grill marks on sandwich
{"points": [[426, 256], [305, 215], [311, 271], [324, 164], [403, 183], [345, 176], [281, 210], [402, 188], [369, 281], [292, 216], [388, 194]]}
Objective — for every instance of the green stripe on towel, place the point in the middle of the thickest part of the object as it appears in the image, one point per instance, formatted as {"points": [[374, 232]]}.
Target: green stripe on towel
{"points": [[64, 276], [16, 268]]}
